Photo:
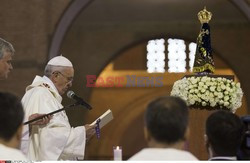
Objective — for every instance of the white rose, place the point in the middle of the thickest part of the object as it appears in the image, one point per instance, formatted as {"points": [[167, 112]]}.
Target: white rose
{"points": [[191, 91], [223, 87], [234, 96], [205, 87], [229, 90], [204, 97], [201, 84], [212, 88], [211, 95], [226, 98], [216, 100], [204, 103], [192, 101], [220, 95], [218, 89], [193, 80], [204, 79], [213, 104], [226, 104]]}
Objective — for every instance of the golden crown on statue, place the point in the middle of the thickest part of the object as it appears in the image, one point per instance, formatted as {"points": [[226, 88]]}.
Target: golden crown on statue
{"points": [[204, 16]]}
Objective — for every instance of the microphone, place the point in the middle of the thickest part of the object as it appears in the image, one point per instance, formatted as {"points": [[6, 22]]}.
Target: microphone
{"points": [[72, 95]]}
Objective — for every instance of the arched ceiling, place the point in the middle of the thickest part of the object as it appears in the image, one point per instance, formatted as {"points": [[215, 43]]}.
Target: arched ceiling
{"points": [[103, 11], [92, 33], [139, 11]]}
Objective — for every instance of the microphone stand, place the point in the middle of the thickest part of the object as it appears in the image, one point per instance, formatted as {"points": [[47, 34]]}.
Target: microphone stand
{"points": [[51, 113]]}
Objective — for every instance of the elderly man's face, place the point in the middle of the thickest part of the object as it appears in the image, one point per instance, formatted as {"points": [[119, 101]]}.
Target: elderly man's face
{"points": [[63, 79], [5, 65]]}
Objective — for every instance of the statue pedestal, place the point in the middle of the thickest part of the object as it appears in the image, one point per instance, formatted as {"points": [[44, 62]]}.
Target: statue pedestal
{"points": [[197, 122]]}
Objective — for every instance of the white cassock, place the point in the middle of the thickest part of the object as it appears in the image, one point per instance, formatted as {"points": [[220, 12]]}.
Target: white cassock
{"points": [[57, 140], [7, 153]]}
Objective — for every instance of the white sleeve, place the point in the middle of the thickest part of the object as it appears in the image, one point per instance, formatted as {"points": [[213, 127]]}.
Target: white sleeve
{"points": [[61, 142], [76, 144]]}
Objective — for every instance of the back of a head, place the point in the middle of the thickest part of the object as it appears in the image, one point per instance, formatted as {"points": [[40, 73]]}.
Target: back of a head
{"points": [[224, 131], [5, 46], [11, 115], [166, 119]]}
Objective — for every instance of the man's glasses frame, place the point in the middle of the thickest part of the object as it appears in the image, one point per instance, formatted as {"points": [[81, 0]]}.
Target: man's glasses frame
{"points": [[70, 79]]}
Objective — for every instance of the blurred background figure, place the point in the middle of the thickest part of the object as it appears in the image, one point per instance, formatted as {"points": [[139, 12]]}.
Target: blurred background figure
{"points": [[223, 137], [244, 151], [11, 123]]}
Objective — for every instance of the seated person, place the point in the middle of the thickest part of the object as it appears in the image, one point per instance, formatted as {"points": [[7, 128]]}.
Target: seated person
{"points": [[244, 151], [11, 123], [223, 137], [166, 129]]}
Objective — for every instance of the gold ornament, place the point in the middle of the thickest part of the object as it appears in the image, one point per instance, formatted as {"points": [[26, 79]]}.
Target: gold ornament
{"points": [[204, 16]]}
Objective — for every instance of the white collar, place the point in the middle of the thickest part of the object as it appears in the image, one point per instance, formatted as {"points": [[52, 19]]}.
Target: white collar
{"points": [[50, 83], [233, 158], [46, 82]]}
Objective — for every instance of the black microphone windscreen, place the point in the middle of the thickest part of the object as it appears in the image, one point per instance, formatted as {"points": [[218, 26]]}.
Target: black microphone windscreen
{"points": [[70, 94]]}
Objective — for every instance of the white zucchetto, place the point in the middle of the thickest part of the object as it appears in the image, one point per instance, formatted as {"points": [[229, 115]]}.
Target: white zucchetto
{"points": [[60, 61]]}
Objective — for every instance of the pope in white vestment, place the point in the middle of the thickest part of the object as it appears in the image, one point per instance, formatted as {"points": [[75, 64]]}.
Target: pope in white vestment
{"points": [[57, 140]]}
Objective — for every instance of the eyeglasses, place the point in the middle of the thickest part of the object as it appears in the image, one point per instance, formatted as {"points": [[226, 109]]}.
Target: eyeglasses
{"points": [[70, 79]]}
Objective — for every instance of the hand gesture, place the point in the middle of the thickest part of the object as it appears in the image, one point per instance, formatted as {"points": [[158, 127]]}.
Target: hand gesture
{"points": [[90, 131]]}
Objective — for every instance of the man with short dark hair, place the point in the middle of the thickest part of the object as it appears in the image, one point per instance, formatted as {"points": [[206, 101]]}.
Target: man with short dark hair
{"points": [[11, 123], [223, 137], [166, 129]]}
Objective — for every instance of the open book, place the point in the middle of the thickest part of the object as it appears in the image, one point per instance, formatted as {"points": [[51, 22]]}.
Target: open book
{"points": [[105, 118]]}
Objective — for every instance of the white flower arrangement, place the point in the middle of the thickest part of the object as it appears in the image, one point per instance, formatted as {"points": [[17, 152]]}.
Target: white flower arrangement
{"points": [[209, 91]]}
